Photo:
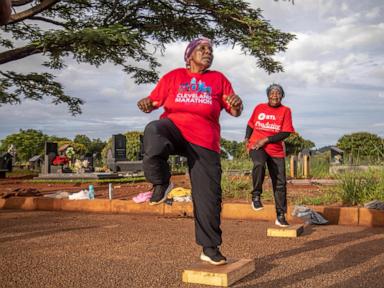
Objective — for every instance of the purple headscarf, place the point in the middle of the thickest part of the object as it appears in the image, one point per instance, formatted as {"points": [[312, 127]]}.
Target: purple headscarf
{"points": [[193, 44]]}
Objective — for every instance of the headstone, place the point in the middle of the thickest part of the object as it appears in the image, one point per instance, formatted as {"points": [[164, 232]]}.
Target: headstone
{"points": [[50, 152], [6, 161], [119, 147]]}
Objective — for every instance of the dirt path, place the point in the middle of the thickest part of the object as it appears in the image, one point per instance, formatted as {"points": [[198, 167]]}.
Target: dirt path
{"points": [[62, 249]]}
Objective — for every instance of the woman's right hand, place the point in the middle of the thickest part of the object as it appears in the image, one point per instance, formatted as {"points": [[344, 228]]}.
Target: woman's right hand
{"points": [[146, 105]]}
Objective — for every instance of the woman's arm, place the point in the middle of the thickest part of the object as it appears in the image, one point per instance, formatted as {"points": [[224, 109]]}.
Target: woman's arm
{"points": [[278, 137]]}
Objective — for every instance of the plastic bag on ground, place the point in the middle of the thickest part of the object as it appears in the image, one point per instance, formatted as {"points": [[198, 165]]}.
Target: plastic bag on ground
{"points": [[375, 204], [308, 215], [58, 195], [83, 194]]}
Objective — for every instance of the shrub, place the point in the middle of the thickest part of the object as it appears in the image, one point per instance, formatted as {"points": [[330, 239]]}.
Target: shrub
{"points": [[361, 187]]}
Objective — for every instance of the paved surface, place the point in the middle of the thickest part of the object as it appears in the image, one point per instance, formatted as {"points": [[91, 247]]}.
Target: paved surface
{"points": [[63, 249]]}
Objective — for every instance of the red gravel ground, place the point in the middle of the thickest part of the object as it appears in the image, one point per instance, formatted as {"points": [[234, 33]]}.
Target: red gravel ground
{"points": [[63, 249]]}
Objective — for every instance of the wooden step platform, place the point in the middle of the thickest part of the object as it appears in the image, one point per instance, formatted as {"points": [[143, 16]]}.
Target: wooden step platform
{"points": [[222, 275], [290, 231]]}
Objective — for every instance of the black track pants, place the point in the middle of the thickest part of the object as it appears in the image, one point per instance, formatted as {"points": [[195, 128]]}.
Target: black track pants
{"points": [[161, 139], [276, 168]]}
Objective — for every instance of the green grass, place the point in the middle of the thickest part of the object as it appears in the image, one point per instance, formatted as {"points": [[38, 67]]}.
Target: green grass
{"points": [[119, 180], [236, 164], [319, 167], [329, 196], [357, 188], [21, 173], [236, 187]]}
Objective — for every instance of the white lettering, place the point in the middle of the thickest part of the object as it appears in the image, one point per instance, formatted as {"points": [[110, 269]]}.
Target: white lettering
{"points": [[263, 116], [268, 126], [203, 98]]}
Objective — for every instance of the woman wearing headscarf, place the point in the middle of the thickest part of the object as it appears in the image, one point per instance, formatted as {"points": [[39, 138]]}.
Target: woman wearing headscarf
{"points": [[192, 98], [268, 126]]}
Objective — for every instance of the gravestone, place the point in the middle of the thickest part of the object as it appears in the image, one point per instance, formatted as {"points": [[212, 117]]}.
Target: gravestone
{"points": [[50, 152], [116, 156], [119, 147]]}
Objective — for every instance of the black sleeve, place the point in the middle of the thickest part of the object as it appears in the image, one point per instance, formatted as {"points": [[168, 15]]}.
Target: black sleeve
{"points": [[278, 137], [248, 132]]}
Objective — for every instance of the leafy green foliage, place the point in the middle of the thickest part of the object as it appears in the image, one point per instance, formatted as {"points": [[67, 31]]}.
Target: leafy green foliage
{"points": [[295, 143], [319, 166], [33, 86], [82, 139], [362, 144], [361, 187], [125, 33], [233, 148], [93, 147], [28, 143], [78, 149]]}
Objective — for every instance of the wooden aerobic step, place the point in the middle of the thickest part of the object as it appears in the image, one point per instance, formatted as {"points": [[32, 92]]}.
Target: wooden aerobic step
{"points": [[222, 275], [290, 231]]}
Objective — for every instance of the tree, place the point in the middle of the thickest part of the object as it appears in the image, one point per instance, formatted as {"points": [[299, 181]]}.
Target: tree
{"points": [[125, 33], [79, 149], [28, 143], [295, 143], [57, 139], [84, 140], [362, 144], [235, 149], [94, 146]]}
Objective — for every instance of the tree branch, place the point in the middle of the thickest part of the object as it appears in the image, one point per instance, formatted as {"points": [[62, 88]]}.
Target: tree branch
{"points": [[48, 21], [18, 53], [44, 5], [20, 2]]}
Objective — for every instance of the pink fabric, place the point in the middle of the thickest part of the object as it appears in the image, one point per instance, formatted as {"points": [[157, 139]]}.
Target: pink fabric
{"points": [[142, 197]]}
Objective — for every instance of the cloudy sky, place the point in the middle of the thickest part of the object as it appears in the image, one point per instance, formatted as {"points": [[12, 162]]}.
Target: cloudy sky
{"points": [[333, 79]]}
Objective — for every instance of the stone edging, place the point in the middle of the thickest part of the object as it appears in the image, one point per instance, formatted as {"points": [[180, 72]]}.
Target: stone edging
{"points": [[240, 211]]}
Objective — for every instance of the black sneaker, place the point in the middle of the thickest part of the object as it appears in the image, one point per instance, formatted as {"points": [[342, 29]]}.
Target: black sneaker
{"points": [[160, 193], [213, 256], [281, 221], [256, 203]]}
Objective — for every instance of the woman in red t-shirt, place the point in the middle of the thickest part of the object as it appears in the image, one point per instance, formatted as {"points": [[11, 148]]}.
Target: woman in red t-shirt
{"points": [[268, 126], [193, 98]]}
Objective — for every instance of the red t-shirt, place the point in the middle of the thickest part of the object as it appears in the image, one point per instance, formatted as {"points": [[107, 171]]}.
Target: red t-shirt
{"points": [[268, 121], [193, 102]]}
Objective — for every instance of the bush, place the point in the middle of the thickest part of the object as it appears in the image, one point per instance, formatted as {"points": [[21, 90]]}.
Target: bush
{"points": [[361, 187]]}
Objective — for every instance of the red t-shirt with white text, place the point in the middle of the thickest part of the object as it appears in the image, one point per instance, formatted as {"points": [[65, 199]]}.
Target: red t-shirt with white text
{"points": [[193, 102], [268, 121]]}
